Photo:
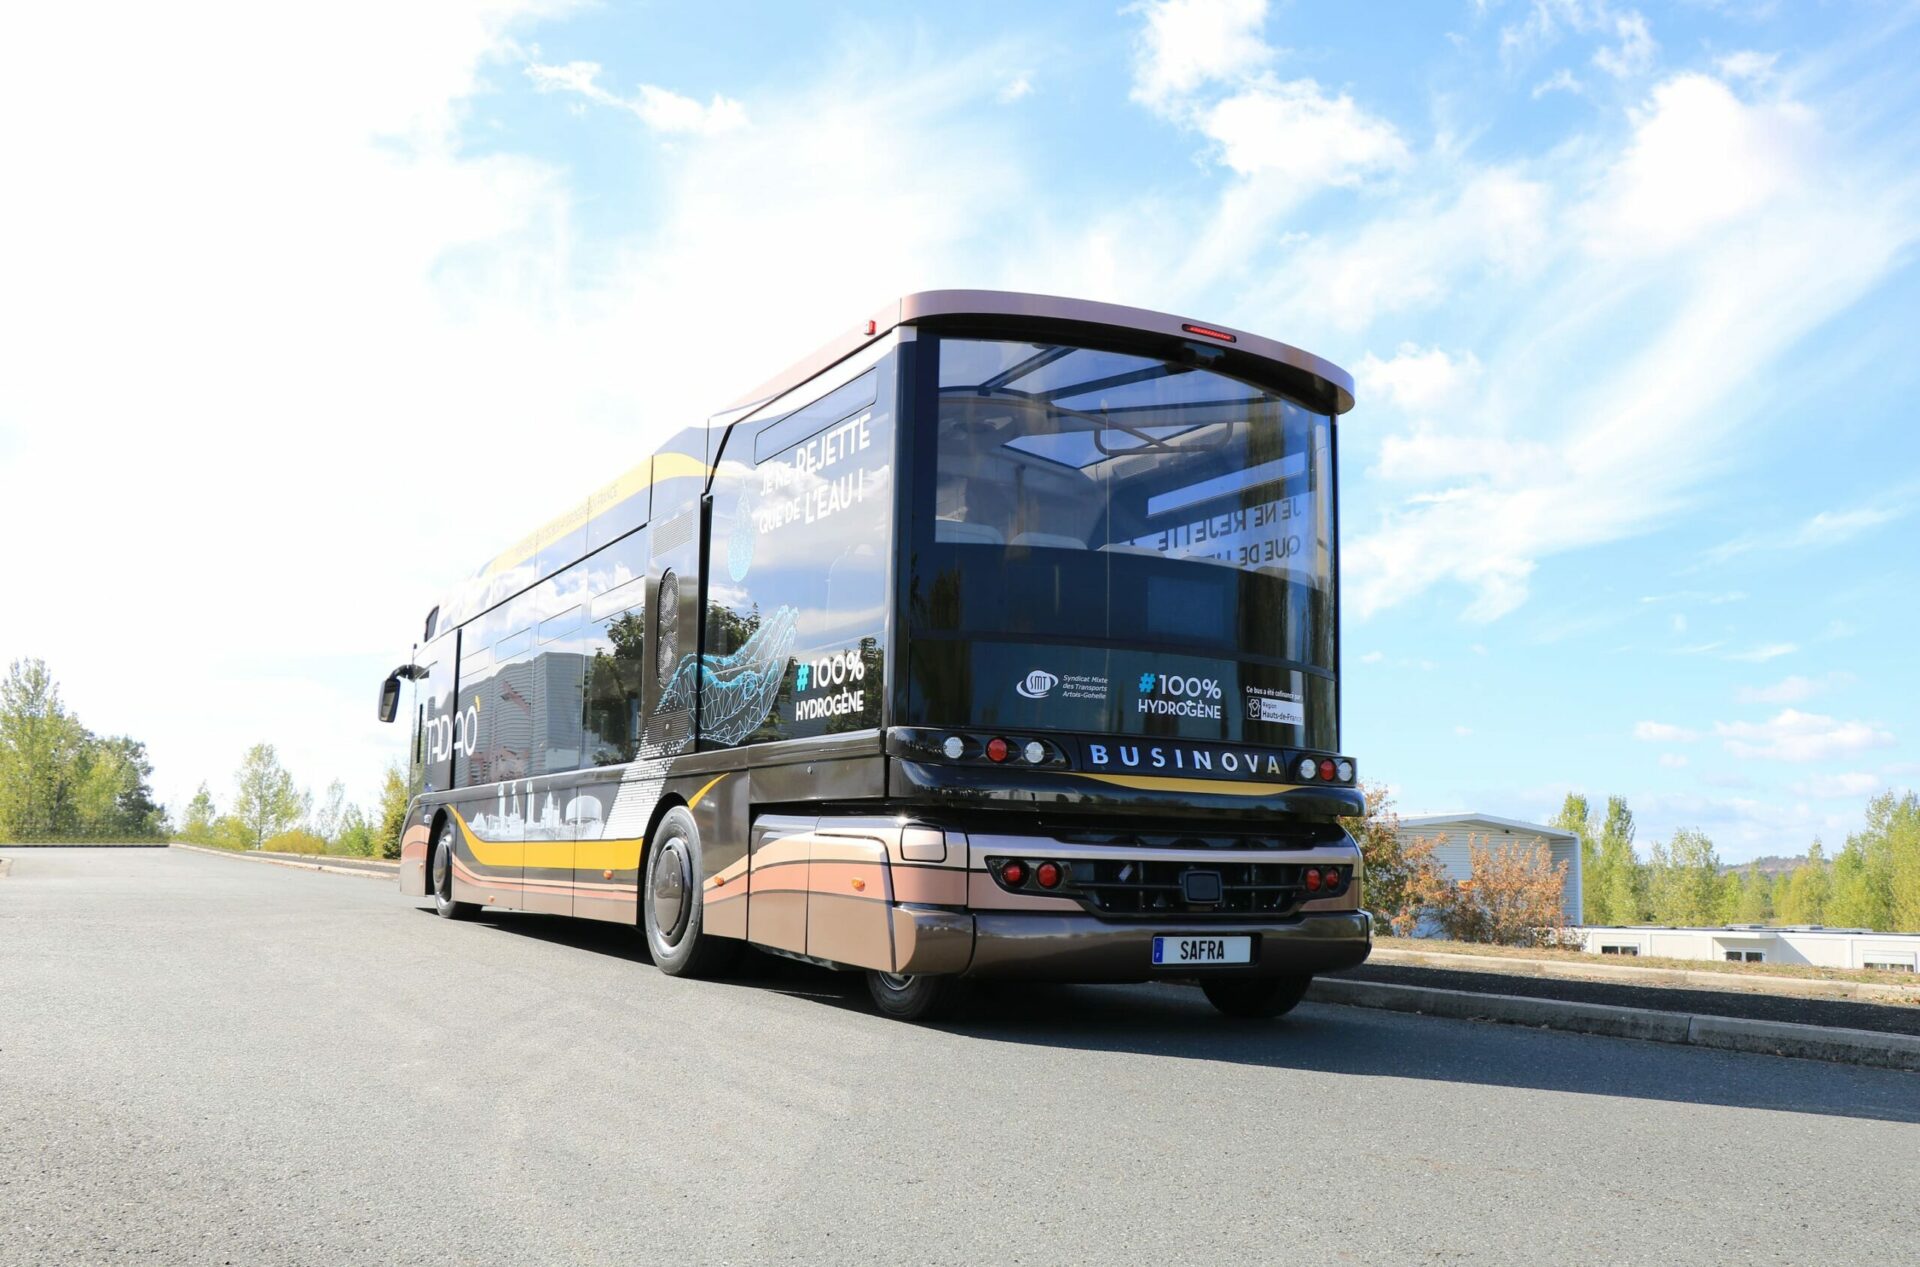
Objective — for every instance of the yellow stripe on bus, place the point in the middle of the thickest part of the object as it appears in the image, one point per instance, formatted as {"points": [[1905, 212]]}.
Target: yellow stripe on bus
{"points": [[662, 466], [1225, 787], [562, 855]]}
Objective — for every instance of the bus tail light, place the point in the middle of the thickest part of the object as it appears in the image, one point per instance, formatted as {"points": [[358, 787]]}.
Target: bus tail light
{"points": [[1013, 874], [1047, 875], [1312, 879], [955, 747], [1326, 769], [997, 749], [1307, 768]]}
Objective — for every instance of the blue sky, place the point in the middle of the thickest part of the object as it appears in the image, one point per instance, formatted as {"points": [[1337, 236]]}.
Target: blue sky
{"points": [[306, 318]]}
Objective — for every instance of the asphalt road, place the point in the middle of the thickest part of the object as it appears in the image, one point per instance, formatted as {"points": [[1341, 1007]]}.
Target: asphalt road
{"points": [[207, 1060]]}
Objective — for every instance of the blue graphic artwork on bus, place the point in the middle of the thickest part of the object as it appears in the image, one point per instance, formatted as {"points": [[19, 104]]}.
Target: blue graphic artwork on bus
{"points": [[737, 691]]}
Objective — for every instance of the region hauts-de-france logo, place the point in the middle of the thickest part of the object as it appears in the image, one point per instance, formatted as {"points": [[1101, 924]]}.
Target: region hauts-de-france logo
{"points": [[1038, 684]]}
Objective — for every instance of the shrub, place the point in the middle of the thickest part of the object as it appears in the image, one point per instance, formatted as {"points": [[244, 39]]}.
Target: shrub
{"points": [[229, 833], [1513, 898], [298, 840]]}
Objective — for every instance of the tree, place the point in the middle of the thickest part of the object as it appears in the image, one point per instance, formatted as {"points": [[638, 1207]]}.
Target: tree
{"points": [[58, 779], [1755, 905], [1617, 884], [1401, 881], [1577, 817], [1684, 880], [1806, 888], [356, 834], [1514, 897], [328, 818], [198, 828], [266, 802], [1855, 900], [41, 751], [393, 813]]}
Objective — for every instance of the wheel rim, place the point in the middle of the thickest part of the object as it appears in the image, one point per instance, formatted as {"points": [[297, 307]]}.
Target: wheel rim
{"points": [[671, 876], [442, 872], [896, 981]]}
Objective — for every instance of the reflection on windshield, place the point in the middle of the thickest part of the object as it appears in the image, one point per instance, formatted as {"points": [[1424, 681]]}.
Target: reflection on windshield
{"points": [[1069, 448]]}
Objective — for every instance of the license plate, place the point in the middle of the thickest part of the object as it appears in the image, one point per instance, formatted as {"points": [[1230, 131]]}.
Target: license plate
{"points": [[1189, 952]]}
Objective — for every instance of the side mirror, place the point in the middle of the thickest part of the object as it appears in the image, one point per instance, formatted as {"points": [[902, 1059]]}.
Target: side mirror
{"points": [[390, 698], [390, 689]]}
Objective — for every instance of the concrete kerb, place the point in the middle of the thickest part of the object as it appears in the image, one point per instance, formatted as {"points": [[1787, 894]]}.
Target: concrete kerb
{"points": [[1726, 1033], [289, 862], [6, 865]]}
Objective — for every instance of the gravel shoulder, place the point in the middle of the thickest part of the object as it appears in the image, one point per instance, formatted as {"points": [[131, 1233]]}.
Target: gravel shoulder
{"points": [[1833, 1013]]}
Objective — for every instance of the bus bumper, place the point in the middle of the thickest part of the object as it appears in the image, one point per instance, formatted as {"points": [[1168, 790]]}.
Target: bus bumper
{"points": [[1062, 947]]}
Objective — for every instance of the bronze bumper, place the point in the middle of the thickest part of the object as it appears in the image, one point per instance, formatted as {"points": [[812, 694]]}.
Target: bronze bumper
{"points": [[1061, 947]]}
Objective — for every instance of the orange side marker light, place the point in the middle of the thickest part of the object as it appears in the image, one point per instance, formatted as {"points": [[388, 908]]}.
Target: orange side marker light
{"points": [[859, 886]]}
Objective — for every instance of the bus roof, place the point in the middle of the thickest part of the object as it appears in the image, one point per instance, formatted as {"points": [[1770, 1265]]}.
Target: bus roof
{"points": [[1313, 375], [1315, 379]]}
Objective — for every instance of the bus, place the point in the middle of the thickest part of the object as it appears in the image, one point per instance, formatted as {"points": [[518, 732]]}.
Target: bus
{"points": [[997, 639]]}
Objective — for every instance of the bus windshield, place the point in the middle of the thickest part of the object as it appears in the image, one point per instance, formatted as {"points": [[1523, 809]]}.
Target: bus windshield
{"points": [[1111, 499]]}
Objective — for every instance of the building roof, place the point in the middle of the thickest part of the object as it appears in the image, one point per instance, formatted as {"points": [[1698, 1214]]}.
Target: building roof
{"points": [[1751, 930], [1515, 826]]}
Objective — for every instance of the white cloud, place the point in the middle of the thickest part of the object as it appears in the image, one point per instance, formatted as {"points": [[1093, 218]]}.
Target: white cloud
{"points": [[1186, 44], [1373, 657], [1418, 380], [1826, 528], [1633, 55], [1851, 786], [1792, 735], [663, 111], [1673, 761], [1561, 80], [1793, 689], [1747, 64], [1699, 159], [1611, 455], [1300, 134], [1763, 653], [1663, 732], [1016, 88]]}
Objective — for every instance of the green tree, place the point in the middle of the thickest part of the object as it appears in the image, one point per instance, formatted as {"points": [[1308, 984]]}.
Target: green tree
{"points": [[1684, 880], [1755, 904], [1856, 900], [356, 834], [42, 755], [393, 813], [266, 801], [1618, 884], [328, 818], [1576, 816], [1892, 841], [198, 827], [1801, 894]]}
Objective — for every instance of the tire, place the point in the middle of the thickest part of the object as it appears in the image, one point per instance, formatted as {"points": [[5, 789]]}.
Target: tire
{"points": [[1256, 998], [911, 998], [441, 878], [670, 907]]}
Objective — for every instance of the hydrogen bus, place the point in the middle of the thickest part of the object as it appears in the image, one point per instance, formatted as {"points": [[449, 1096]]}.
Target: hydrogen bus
{"points": [[999, 638]]}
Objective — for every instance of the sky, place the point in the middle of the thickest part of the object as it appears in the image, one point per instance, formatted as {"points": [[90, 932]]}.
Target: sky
{"points": [[306, 313]]}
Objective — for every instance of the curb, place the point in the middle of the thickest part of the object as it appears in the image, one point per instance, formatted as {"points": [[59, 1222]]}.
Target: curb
{"points": [[288, 862], [1502, 965], [6, 865], [1725, 1033]]}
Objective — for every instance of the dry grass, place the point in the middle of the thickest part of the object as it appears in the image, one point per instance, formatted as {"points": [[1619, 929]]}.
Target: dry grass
{"points": [[1435, 945]]}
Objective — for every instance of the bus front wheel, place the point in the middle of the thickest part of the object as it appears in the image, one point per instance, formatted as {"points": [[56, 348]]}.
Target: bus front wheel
{"points": [[443, 903], [670, 903], [913, 998], [1256, 998]]}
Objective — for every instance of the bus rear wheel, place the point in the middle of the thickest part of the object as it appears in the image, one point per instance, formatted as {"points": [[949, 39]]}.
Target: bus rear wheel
{"points": [[913, 998], [670, 903], [443, 904], [1256, 998]]}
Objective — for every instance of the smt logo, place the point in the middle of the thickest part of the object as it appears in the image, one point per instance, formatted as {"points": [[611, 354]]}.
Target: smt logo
{"points": [[1038, 684]]}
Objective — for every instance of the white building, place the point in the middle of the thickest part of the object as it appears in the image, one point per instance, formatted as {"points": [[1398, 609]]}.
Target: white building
{"points": [[1757, 943], [1448, 833]]}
